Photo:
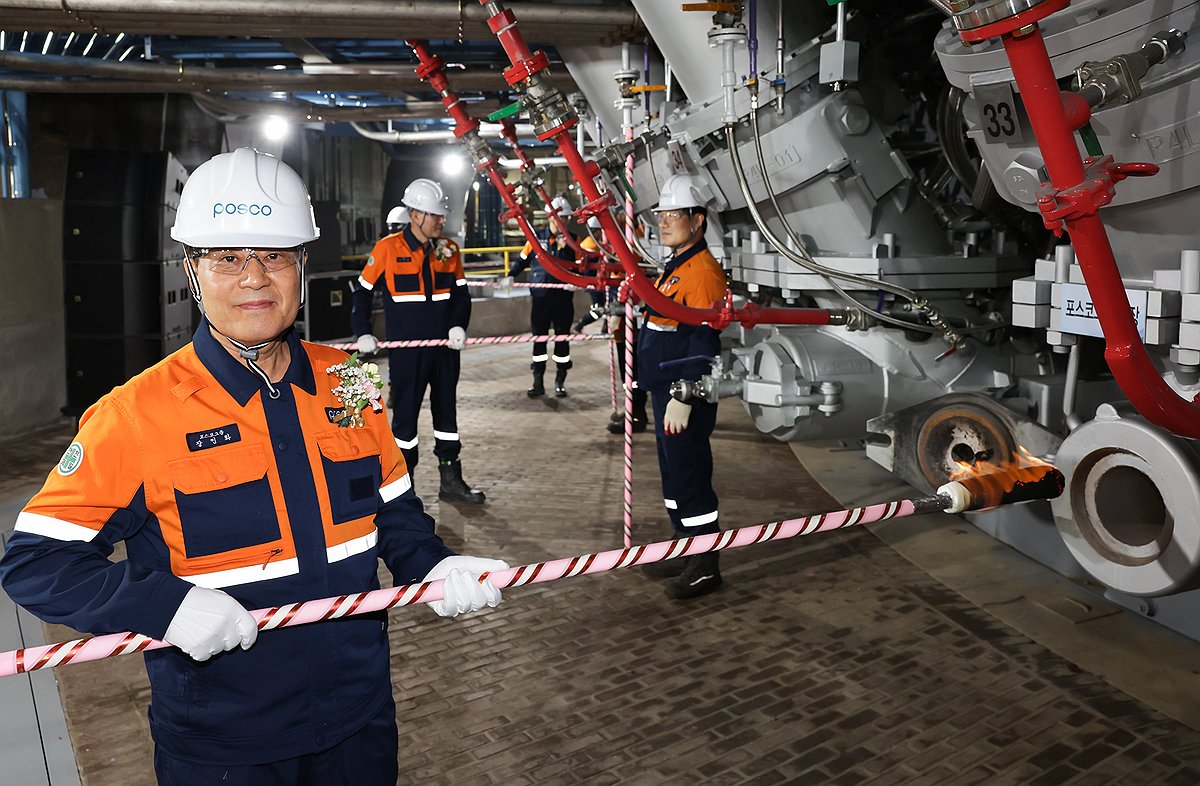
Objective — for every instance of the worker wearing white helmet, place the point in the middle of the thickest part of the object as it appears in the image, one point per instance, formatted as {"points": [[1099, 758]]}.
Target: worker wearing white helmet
{"points": [[549, 307], [420, 274], [397, 217], [225, 471], [692, 277]]}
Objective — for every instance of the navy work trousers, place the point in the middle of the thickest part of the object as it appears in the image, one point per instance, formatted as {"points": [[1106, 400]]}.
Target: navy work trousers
{"points": [[686, 464], [366, 758], [557, 309], [410, 372]]}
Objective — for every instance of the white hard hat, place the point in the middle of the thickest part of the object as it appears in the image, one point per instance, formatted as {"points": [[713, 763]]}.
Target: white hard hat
{"points": [[561, 204], [593, 222], [679, 192], [425, 195], [397, 215], [244, 198]]}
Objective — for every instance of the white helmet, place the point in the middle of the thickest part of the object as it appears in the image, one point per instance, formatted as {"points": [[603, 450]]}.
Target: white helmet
{"points": [[593, 222], [679, 192], [397, 215], [561, 204], [244, 198], [425, 195]]}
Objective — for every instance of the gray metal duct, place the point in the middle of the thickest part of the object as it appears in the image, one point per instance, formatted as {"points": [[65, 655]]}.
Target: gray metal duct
{"points": [[540, 21], [232, 109], [486, 130], [192, 79]]}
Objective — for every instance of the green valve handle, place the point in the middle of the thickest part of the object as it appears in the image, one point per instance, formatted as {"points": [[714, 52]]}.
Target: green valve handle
{"points": [[507, 111]]}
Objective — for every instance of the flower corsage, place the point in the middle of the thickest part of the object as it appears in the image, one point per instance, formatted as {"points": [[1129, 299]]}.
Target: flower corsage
{"points": [[443, 249], [359, 385]]}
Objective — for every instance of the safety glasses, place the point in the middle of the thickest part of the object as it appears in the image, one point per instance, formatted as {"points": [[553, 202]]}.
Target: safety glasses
{"points": [[233, 261], [671, 215]]}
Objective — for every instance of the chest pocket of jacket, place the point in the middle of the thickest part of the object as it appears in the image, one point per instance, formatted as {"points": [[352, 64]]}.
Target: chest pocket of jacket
{"points": [[352, 473], [406, 276], [444, 280], [224, 501]]}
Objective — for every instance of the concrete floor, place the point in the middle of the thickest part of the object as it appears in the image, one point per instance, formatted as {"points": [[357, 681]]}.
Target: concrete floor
{"points": [[852, 657]]}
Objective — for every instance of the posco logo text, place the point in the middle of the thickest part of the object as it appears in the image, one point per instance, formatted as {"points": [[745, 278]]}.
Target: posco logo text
{"points": [[240, 209]]}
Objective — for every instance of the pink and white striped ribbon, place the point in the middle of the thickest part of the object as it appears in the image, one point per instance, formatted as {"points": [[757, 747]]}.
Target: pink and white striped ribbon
{"points": [[96, 648], [520, 284], [522, 338], [630, 239]]}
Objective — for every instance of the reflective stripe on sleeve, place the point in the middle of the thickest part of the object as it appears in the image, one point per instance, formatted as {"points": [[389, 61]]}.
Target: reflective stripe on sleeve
{"points": [[394, 489], [351, 547], [460, 282], [362, 282], [50, 527], [699, 521]]}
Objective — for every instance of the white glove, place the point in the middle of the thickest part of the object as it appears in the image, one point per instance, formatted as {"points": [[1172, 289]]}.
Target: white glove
{"points": [[505, 284], [676, 418], [458, 338], [367, 344], [209, 621], [462, 591]]}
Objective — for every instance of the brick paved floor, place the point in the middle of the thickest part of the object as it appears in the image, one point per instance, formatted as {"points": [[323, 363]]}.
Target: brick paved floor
{"points": [[824, 660]]}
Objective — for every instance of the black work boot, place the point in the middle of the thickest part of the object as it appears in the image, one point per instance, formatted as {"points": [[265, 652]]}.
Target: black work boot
{"points": [[618, 426], [454, 488], [537, 389], [560, 382], [701, 575], [666, 569]]}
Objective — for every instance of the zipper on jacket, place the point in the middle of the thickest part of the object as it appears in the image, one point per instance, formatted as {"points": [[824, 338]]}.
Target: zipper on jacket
{"points": [[272, 555]]}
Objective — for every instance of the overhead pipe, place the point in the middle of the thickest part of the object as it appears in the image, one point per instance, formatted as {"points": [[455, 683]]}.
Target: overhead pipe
{"points": [[199, 77], [1071, 202], [441, 135], [432, 69], [551, 113], [310, 18], [313, 113]]}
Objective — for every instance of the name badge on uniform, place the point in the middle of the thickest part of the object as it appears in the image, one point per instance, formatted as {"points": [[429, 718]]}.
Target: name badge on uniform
{"points": [[213, 437], [335, 413]]}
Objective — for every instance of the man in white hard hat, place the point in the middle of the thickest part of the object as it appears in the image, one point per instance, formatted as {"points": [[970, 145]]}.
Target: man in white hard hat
{"points": [[425, 296], [240, 478], [397, 217], [692, 277], [549, 307]]}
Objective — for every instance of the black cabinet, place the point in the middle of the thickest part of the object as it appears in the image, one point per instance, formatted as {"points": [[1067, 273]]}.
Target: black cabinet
{"points": [[124, 289]]}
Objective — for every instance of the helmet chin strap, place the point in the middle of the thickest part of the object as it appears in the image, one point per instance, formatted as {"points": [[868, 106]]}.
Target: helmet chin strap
{"points": [[248, 352]]}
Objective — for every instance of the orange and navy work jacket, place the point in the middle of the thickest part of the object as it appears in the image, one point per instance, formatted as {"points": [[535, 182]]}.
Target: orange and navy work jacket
{"points": [[423, 285], [694, 279], [211, 482]]}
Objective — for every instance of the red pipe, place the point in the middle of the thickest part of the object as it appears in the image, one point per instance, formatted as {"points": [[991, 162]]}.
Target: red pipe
{"points": [[1053, 126], [508, 130], [525, 66]]}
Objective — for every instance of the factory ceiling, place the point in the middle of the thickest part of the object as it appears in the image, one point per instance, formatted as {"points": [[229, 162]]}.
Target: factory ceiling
{"points": [[313, 59]]}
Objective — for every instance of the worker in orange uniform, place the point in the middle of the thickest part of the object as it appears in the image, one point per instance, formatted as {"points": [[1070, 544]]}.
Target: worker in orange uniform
{"points": [[692, 277], [238, 478], [549, 307], [425, 296]]}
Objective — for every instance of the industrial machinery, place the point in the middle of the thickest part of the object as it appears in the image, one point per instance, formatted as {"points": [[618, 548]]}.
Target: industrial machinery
{"points": [[938, 178]]}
